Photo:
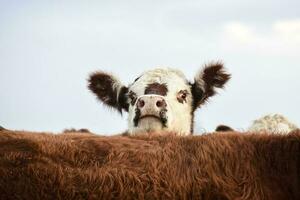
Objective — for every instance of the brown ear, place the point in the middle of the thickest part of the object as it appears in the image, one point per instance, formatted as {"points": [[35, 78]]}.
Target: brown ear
{"points": [[109, 90], [223, 128], [212, 76]]}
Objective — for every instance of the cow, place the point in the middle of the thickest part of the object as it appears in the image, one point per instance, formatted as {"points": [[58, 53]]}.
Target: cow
{"points": [[275, 123], [161, 99], [160, 166], [271, 123]]}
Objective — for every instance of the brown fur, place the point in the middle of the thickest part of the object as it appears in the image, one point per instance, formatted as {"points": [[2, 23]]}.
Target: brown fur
{"points": [[214, 76], [86, 166], [101, 84], [156, 88]]}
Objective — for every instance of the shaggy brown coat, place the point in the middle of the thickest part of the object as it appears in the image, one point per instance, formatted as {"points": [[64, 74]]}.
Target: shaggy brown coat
{"points": [[86, 166]]}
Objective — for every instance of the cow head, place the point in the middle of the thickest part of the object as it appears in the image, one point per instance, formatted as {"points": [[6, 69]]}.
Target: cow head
{"points": [[160, 99]]}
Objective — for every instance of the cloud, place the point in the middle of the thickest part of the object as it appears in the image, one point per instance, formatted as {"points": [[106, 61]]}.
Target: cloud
{"points": [[239, 32], [280, 38], [288, 30]]}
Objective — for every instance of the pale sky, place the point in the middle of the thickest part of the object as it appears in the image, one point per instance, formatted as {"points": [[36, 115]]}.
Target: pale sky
{"points": [[48, 49]]}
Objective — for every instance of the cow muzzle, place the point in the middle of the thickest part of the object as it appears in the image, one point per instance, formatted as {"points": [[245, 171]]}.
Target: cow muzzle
{"points": [[151, 106]]}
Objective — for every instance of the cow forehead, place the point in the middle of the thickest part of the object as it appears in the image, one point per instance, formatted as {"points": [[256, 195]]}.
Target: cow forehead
{"points": [[172, 78]]}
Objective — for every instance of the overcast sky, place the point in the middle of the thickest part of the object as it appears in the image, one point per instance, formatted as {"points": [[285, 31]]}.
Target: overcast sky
{"points": [[48, 49]]}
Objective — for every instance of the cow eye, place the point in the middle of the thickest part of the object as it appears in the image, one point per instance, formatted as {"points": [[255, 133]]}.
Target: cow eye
{"points": [[181, 96]]}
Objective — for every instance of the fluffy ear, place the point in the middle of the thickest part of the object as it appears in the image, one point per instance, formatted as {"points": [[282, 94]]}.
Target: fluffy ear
{"points": [[109, 90], [212, 76]]}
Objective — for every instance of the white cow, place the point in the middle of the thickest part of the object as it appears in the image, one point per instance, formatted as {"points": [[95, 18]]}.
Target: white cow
{"points": [[272, 123], [160, 99]]}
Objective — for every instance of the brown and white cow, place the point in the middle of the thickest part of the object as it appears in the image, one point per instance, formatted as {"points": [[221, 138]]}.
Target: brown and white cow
{"points": [[160, 99]]}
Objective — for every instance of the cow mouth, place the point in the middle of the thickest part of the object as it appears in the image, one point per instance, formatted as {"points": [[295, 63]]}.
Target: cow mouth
{"points": [[162, 118], [150, 116]]}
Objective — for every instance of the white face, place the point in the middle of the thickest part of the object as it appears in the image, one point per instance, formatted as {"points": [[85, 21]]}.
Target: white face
{"points": [[159, 99], [157, 85]]}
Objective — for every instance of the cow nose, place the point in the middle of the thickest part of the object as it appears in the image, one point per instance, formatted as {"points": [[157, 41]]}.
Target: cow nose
{"points": [[151, 102], [161, 103], [140, 103]]}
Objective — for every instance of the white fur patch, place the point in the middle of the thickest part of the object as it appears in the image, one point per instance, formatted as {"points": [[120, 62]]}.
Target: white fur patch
{"points": [[117, 85], [199, 80]]}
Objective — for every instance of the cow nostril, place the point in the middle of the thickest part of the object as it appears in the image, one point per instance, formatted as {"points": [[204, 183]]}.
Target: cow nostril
{"points": [[141, 103], [159, 104]]}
